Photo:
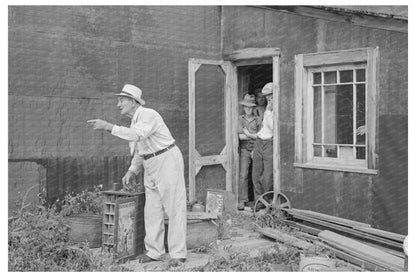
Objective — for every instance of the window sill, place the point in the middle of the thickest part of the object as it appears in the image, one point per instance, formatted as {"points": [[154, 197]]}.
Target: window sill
{"points": [[337, 168]]}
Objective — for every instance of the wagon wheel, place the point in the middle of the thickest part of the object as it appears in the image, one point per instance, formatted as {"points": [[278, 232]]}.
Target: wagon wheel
{"points": [[265, 202]]}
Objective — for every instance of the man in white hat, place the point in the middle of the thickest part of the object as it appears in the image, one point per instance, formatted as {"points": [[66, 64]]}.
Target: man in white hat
{"points": [[262, 173], [153, 146]]}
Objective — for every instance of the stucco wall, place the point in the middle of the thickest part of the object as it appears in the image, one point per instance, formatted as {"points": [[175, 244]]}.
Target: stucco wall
{"points": [[65, 64]]}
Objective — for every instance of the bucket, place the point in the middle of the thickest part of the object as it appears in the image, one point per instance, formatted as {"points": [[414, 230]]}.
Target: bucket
{"points": [[86, 228], [315, 264]]}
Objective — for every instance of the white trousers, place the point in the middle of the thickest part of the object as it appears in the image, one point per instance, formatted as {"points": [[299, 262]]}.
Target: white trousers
{"points": [[165, 193]]}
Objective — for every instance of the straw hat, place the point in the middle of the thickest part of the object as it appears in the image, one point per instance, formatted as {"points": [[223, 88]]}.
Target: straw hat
{"points": [[249, 101], [132, 92]]}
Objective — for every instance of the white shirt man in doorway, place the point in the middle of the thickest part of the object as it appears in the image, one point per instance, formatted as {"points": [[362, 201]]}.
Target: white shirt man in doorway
{"points": [[262, 173], [153, 146]]}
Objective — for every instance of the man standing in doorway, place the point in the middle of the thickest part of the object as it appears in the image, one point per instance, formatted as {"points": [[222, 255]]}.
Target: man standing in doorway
{"points": [[262, 174], [153, 146]]}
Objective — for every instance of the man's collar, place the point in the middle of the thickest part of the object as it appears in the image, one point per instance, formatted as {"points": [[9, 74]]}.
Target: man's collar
{"points": [[137, 112]]}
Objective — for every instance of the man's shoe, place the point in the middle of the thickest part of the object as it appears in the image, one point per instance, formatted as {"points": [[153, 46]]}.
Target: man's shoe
{"points": [[176, 262], [145, 259], [241, 205]]}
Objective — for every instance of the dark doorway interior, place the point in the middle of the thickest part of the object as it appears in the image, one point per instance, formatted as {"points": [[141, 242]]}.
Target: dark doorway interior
{"points": [[252, 78]]}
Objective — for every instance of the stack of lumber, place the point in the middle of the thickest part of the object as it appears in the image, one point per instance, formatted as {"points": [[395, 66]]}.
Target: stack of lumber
{"points": [[353, 241]]}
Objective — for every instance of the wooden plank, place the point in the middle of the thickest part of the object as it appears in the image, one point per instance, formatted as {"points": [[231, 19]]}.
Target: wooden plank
{"points": [[363, 251], [203, 61], [330, 218], [259, 61], [298, 107], [381, 233], [276, 133], [191, 124], [385, 249], [228, 134], [304, 227], [335, 57], [372, 106], [350, 231], [352, 259], [252, 53], [234, 126], [210, 160], [284, 237]]}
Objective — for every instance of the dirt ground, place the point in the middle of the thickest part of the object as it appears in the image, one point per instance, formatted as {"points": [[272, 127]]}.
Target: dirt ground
{"points": [[240, 248]]}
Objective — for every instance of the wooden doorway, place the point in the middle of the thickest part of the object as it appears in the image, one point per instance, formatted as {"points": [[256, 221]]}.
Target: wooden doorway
{"points": [[207, 147]]}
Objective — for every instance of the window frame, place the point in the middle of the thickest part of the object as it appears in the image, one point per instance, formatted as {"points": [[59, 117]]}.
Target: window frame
{"points": [[305, 64]]}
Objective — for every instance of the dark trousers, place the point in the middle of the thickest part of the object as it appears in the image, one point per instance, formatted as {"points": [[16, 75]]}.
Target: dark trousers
{"points": [[262, 167], [245, 162]]}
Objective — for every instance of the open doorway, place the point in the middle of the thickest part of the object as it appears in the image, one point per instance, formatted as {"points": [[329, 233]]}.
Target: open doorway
{"points": [[251, 80]]}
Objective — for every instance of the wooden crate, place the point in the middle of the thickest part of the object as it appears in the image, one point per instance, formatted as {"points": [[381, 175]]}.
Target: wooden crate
{"points": [[123, 223], [220, 202]]}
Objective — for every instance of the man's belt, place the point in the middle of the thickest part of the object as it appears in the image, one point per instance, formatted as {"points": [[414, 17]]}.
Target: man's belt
{"points": [[148, 156]]}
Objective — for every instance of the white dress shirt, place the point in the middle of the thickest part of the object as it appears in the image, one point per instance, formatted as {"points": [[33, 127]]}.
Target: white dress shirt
{"points": [[147, 134], [266, 131]]}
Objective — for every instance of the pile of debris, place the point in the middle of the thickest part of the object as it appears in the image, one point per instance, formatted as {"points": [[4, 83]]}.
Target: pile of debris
{"points": [[355, 242]]}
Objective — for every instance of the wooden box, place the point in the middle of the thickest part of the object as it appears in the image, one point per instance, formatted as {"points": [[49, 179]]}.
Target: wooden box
{"points": [[123, 223], [220, 202]]}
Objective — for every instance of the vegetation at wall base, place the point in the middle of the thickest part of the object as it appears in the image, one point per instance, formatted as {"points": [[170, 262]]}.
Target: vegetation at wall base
{"points": [[38, 240]]}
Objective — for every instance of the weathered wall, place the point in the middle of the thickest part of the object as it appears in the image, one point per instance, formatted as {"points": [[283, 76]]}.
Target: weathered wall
{"points": [[27, 180], [65, 64], [380, 200]]}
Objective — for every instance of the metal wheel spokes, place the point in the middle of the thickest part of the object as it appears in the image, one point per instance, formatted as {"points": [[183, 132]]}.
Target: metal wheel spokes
{"points": [[282, 202], [265, 202]]}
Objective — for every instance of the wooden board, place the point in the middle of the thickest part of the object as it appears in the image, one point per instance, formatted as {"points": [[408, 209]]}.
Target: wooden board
{"points": [[330, 218], [283, 237], [353, 260], [348, 230], [362, 251], [303, 227], [381, 233], [252, 53]]}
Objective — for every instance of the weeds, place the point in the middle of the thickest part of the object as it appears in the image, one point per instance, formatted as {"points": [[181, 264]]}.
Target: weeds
{"points": [[38, 240]]}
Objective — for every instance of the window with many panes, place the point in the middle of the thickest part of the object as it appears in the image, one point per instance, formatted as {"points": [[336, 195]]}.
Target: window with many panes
{"points": [[336, 110]]}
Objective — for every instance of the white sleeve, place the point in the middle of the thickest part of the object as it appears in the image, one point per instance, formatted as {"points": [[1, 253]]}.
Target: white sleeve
{"points": [[136, 163]]}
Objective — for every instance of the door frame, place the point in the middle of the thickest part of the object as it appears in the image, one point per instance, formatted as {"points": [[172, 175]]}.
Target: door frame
{"points": [[257, 56], [229, 157]]}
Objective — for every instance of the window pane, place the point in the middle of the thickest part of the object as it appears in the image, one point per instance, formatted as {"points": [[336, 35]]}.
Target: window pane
{"points": [[330, 151], [345, 76], [360, 106], [317, 118], [344, 114], [360, 75], [360, 153], [317, 78], [317, 151], [330, 77], [346, 152], [329, 114]]}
